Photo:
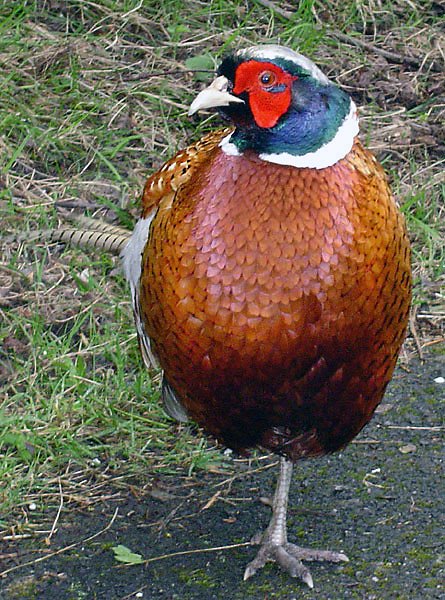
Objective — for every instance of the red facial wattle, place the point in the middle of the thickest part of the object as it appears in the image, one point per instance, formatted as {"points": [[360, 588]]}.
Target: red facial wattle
{"points": [[269, 90]]}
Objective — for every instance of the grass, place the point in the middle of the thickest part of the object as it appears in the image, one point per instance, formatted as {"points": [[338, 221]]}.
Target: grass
{"points": [[93, 98]]}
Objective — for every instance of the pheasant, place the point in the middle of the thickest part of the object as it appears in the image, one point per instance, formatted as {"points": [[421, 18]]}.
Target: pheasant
{"points": [[270, 274]]}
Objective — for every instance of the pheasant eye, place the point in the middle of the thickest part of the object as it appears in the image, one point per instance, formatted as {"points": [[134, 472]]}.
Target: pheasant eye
{"points": [[267, 78]]}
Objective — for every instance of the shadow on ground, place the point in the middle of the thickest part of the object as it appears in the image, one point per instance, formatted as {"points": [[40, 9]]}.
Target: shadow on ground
{"points": [[380, 501]]}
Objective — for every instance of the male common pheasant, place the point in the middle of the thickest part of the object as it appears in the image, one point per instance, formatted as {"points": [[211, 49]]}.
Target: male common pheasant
{"points": [[270, 274]]}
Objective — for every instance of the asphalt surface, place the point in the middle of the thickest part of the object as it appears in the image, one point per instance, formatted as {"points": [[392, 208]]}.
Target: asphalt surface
{"points": [[380, 501]]}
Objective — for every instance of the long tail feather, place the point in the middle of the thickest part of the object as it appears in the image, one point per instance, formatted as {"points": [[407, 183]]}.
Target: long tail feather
{"points": [[91, 233], [99, 240], [90, 224]]}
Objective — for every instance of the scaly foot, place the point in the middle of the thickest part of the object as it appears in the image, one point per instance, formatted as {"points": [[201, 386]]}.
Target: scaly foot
{"points": [[289, 556], [274, 544]]}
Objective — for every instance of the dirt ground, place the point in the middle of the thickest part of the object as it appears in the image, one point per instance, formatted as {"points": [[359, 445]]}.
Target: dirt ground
{"points": [[380, 501]]}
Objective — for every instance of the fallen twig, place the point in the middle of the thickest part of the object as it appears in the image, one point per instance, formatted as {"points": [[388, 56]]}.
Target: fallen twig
{"points": [[413, 329], [61, 550], [185, 552], [390, 56], [53, 528]]}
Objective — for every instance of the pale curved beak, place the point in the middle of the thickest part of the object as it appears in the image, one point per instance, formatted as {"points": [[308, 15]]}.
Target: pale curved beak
{"points": [[214, 95]]}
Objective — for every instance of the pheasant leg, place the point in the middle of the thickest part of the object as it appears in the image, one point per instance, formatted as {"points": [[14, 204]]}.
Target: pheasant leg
{"points": [[274, 544]]}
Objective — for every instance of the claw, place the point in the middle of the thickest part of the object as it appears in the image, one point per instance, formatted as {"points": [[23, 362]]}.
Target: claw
{"points": [[249, 572], [307, 578]]}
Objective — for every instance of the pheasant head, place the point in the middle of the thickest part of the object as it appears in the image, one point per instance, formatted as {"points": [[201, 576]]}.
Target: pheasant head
{"points": [[283, 108]]}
